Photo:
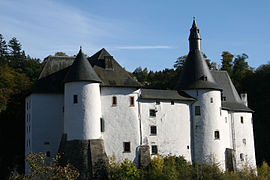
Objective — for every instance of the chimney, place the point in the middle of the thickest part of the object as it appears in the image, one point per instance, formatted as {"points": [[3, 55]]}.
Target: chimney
{"points": [[244, 98]]}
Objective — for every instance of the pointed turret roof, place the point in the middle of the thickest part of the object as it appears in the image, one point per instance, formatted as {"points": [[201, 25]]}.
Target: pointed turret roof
{"points": [[196, 74], [81, 70]]}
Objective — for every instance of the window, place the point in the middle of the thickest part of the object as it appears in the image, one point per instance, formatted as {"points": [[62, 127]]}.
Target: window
{"points": [[211, 100], [153, 130], [223, 98], [75, 99], [242, 157], [217, 135], [197, 111], [48, 154], [242, 119], [102, 125], [172, 102], [187, 147], [244, 141], [157, 102], [126, 146], [46, 142], [114, 101], [152, 112], [131, 101], [226, 120], [154, 149]]}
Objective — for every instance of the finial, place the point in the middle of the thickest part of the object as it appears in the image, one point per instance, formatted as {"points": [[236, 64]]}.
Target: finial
{"points": [[193, 18], [80, 47]]}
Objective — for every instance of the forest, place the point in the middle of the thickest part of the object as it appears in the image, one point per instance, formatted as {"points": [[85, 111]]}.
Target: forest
{"points": [[18, 72]]}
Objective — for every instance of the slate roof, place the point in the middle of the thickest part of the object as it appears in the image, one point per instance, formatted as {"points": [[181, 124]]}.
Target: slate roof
{"points": [[81, 70], [155, 94], [51, 79], [195, 74], [114, 75], [233, 101]]}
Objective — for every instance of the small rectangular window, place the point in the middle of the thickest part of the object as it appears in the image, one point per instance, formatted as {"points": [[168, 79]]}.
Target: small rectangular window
{"points": [[152, 112], [242, 157], [157, 102], [153, 130], [242, 119], [131, 101], [114, 101], [102, 125], [75, 99], [211, 100], [46, 142], [48, 154], [197, 111], [217, 135], [172, 102], [126, 146], [154, 149]]}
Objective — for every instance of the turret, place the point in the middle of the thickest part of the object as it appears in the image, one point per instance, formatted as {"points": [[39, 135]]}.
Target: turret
{"points": [[82, 101], [197, 81]]}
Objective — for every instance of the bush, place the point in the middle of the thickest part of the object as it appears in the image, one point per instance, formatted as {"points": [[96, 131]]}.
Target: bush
{"points": [[41, 168]]}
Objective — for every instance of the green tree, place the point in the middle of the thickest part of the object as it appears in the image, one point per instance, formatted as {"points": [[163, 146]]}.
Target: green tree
{"points": [[226, 62], [3, 50], [16, 55], [60, 54]]}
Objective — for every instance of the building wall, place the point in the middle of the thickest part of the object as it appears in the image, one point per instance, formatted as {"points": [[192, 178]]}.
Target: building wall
{"points": [[173, 127], [244, 139], [82, 119], [121, 122], [208, 148], [45, 122]]}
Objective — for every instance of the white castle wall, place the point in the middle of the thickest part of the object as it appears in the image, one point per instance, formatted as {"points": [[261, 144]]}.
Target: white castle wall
{"points": [[244, 131], [206, 147], [120, 121], [173, 127], [46, 123], [82, 120]]}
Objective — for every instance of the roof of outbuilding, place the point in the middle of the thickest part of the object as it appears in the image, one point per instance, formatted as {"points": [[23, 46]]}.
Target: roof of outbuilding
{"points": [[233, 101], [155, 94], [81, 70], [51, 79]]}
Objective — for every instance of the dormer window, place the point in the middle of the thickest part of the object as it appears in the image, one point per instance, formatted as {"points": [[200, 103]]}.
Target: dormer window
{"points": [[108, 62], [75, 99], [204, 78]]}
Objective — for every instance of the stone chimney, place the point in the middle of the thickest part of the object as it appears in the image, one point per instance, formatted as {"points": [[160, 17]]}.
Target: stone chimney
{"points": [[244, 98]]}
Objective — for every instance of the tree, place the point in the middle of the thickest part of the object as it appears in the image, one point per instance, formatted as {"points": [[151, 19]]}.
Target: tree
{"points": [[180, 62], [17, 56], [227, 59], [3, 50], [60, 54]]}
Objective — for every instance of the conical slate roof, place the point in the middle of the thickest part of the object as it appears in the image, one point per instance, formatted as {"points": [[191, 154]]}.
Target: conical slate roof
{"points": [[196, 74], [81, 70]]}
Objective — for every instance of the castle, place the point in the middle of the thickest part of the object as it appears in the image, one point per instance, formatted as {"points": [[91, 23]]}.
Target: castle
{"points": [[91, 108]]}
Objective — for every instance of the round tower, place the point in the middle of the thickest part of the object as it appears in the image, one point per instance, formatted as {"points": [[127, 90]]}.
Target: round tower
{"points": [[197, 81], [82, 110]]}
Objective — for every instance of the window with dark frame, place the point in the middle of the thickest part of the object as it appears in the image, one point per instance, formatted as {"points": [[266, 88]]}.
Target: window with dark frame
{"points": [[75, 99], [211, 100], [114, 101], [242, 157], [172, 102], [153, 130], [217, 136], [131, 101], [154, 149], [48, 154], [242, 119], [126, 147], [157, 102], [197, 111], [102, 125], [152, 112]]}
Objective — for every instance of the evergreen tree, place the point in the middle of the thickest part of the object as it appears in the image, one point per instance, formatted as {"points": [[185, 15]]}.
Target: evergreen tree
{"points": [[3, 50], [17, 56]]}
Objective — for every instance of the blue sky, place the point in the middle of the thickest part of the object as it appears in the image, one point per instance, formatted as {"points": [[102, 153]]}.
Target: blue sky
{"points": [[146, 33]]}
